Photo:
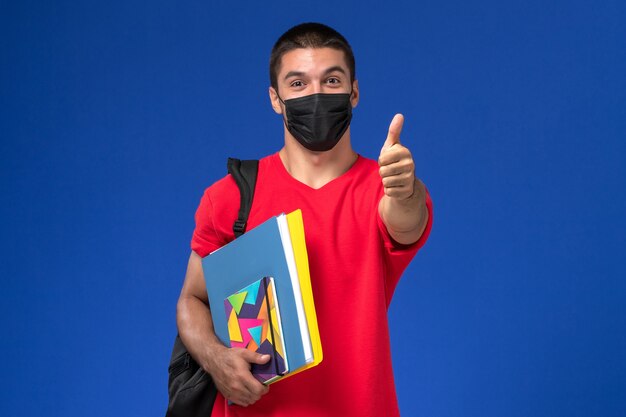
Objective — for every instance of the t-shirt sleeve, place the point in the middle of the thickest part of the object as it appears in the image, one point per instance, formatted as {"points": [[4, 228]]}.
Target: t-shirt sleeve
{"points": [[215, 216], [397, 256], [205, 237]]}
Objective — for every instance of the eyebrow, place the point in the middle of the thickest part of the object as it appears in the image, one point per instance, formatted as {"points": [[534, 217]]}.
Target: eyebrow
{"points": [[328, 71]]}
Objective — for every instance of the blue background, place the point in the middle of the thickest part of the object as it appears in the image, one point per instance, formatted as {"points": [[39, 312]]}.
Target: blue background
{"points": [[114, 116]]}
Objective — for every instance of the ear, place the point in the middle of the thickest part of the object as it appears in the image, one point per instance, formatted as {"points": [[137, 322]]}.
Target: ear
{"points": [[354, 100], [276, 104]]}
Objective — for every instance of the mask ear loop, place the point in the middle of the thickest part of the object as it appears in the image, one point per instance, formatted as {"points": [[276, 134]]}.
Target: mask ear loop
{"points": [[284, 109], [279, 99]]}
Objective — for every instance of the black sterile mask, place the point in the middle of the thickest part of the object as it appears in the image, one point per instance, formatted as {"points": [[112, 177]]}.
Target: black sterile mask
{"points": [[319, 120]]}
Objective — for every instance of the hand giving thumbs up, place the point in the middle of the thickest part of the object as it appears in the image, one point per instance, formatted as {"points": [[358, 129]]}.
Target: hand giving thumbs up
{"points": [[397, 169]]}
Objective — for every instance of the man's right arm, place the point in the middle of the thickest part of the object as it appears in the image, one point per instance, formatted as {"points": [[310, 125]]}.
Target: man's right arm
{"points": [[229, 368]]}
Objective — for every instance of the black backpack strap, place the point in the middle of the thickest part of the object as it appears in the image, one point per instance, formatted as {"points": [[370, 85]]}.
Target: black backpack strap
{"points": [[244, 173]]}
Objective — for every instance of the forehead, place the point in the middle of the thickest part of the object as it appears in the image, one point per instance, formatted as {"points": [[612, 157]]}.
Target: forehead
{"points": [[311, 60]]}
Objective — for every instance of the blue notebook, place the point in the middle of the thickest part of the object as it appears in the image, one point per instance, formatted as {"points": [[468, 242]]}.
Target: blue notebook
{"points": [[256, 254]]}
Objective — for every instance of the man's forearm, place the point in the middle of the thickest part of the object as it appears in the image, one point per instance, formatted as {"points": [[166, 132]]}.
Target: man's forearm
{"points": [[406, 219], [195, 327]]}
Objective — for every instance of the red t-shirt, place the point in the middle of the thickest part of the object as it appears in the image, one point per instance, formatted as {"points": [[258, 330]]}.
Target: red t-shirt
{"points": [[354, 267]]}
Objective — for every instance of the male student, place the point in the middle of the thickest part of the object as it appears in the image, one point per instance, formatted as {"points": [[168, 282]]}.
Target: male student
{"points": [[364, 221]]}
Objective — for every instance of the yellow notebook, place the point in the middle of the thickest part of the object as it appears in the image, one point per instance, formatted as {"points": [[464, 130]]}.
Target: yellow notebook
{"points": [[296, 230]]}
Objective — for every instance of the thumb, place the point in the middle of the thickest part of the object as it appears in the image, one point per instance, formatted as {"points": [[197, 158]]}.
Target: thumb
{"points": [[253, 357], [395, 128]]}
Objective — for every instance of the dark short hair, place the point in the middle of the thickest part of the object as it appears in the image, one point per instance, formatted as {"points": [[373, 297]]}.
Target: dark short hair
{"points": [[309, 35]]}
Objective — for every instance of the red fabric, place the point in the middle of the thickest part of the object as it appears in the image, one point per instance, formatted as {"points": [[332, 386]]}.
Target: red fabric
{"points": [[354, 266]]}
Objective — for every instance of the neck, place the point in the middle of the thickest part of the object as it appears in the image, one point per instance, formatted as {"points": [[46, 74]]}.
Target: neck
{"points": [[317, 169]]}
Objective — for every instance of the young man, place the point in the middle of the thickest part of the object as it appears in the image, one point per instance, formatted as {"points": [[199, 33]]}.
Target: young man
{"points": [[364, 221]]}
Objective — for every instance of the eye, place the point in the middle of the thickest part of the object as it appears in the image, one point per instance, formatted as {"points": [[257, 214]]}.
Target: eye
{"points": [[296, 83], [333, 80]]}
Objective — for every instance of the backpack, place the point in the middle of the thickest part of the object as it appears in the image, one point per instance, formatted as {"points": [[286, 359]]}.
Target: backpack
{"points": [[191, 390]]}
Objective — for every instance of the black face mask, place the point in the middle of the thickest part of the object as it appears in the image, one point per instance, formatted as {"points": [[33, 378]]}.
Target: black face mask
{"points": [[318, 121]]}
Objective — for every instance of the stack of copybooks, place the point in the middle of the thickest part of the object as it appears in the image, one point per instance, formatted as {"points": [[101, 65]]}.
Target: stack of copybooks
{"points": [[260, 296]]}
